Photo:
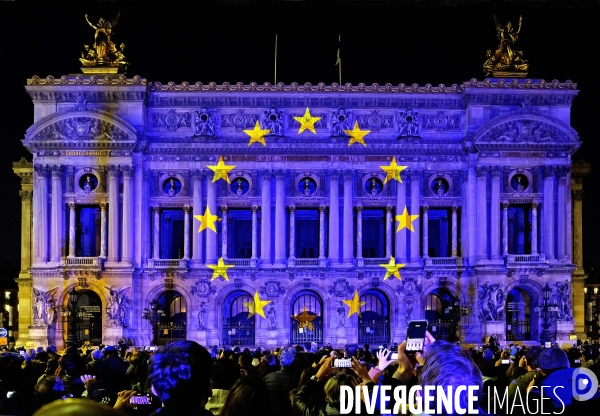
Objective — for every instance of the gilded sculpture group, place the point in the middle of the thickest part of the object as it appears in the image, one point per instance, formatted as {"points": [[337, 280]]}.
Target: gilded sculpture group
{"points": [[103, 52]]}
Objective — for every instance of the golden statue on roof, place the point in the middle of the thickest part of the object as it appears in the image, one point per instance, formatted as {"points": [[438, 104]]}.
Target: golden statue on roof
{"points": [[506, 61], [103, 53]]}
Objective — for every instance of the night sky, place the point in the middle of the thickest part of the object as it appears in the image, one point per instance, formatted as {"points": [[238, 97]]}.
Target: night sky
{"points": [[181, 41]]}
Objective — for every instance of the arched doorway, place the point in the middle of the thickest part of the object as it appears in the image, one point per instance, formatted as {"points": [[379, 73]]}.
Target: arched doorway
{"points": [[374, 320], [518, 315], [306, 322], [89, 315], [238, 328], [171, 326], [442, 314]]}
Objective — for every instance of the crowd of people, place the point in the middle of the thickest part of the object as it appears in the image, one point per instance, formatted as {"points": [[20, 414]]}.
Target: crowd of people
{"points": [[184, 378]]}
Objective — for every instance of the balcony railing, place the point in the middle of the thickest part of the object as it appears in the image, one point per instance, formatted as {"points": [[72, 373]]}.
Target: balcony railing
{"points": [[82, 261], [375, 261], [443, 261], [238, 262], [307, 262], [167, 263], [524, 258]]}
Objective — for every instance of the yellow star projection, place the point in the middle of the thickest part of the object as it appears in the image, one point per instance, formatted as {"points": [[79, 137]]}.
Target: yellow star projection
{"points": [[393, 171], [357, 135], [307, 122], [354, 304], [219, 269], [256, 306], [221, 170], [207, 220], [405, 220], [305, 319], [392, 269], [257, 134]]}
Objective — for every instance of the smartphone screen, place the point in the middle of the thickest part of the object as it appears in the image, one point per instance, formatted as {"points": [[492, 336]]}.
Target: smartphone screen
{"points": [[505, 361], [140, 400], [342, 362], [394, 356], [415, 336]]}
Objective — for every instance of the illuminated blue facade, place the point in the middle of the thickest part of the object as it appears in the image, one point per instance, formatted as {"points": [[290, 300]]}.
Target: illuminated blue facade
{"points": [[120, 171]]}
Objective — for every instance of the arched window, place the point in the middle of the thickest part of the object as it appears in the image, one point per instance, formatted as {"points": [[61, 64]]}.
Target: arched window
{"points": [[238, 327], [374, 320], [307, 318], [172, 326], [518, 315]]}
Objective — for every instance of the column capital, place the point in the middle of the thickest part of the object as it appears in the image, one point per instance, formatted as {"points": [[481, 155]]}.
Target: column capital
{"points": [[102, 207], [496, 171], [156, 210], [57, 171], [562, 171], [578, 194], [42, 170], [254, 209], [548, 171], [425, 208], [72, 206], [25, 195], [113, 171], [128, 171], [454, 209], [280, 175], [334, 174], [415, 174], [404, 175], [534, 205], [147, 175], [292, 209], [358, 208], [348, 175], [505, 205], [224, 209], [322, 209], [197, 174], [389, 208], [265, 174], [481, 171], [187, 209]]}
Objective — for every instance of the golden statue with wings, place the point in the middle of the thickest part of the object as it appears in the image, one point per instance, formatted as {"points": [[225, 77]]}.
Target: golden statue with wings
{"points": [[103, 53], [506, 60]]}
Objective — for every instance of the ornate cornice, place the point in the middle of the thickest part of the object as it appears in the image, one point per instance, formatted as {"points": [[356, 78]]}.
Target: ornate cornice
{"points": [[81, 80]]}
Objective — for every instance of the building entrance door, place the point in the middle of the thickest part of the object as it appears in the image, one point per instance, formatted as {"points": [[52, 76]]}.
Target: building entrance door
{"points": [[89, 327]]}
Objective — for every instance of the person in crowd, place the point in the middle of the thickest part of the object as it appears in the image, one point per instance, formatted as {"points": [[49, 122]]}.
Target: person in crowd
{"points": [[268, 364], [280, 383], [47, 390], [225, 374], [247, 397], [77, 407]]}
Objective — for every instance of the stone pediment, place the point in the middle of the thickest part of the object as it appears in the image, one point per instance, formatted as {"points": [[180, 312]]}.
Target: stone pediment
{"points": [[89, 128], [525, 128]]}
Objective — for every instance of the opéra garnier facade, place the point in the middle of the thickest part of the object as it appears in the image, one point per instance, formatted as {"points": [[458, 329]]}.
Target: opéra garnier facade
{"points": [[124, 175]]}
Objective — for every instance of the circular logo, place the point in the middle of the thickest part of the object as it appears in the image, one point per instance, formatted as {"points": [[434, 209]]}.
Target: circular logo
{"points": [[3, 332], [584, 384]]}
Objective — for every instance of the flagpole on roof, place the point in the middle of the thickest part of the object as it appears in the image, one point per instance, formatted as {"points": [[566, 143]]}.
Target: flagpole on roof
{"points": [[339, 60], [275, 83]]}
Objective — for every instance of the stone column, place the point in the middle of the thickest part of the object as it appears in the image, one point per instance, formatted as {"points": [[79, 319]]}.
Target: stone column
{"points": [[548, 175], [224, 232], [40, 199], [186, 232], [348, 233], [334, 217], [482, 232], [425, 248], [505, 228], [415, 192], [56, 237], [322, 231], [156, 233], [561, 232], [495, 213], [454, 231], [534, 228], [401, 245], [265, 224], [26, 196], [579, 275], [72, 230], [577, 195], [197, 177], [113, 216], [359, 245], [280, 259], [211, 236], [128, 174], [388, 231], [254, 257], [471, 213], [103, 231], [292, 256]]}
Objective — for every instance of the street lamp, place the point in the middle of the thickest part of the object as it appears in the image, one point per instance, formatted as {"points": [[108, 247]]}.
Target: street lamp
{"points": [[70, 315], [153, 316], [548, 313]]}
